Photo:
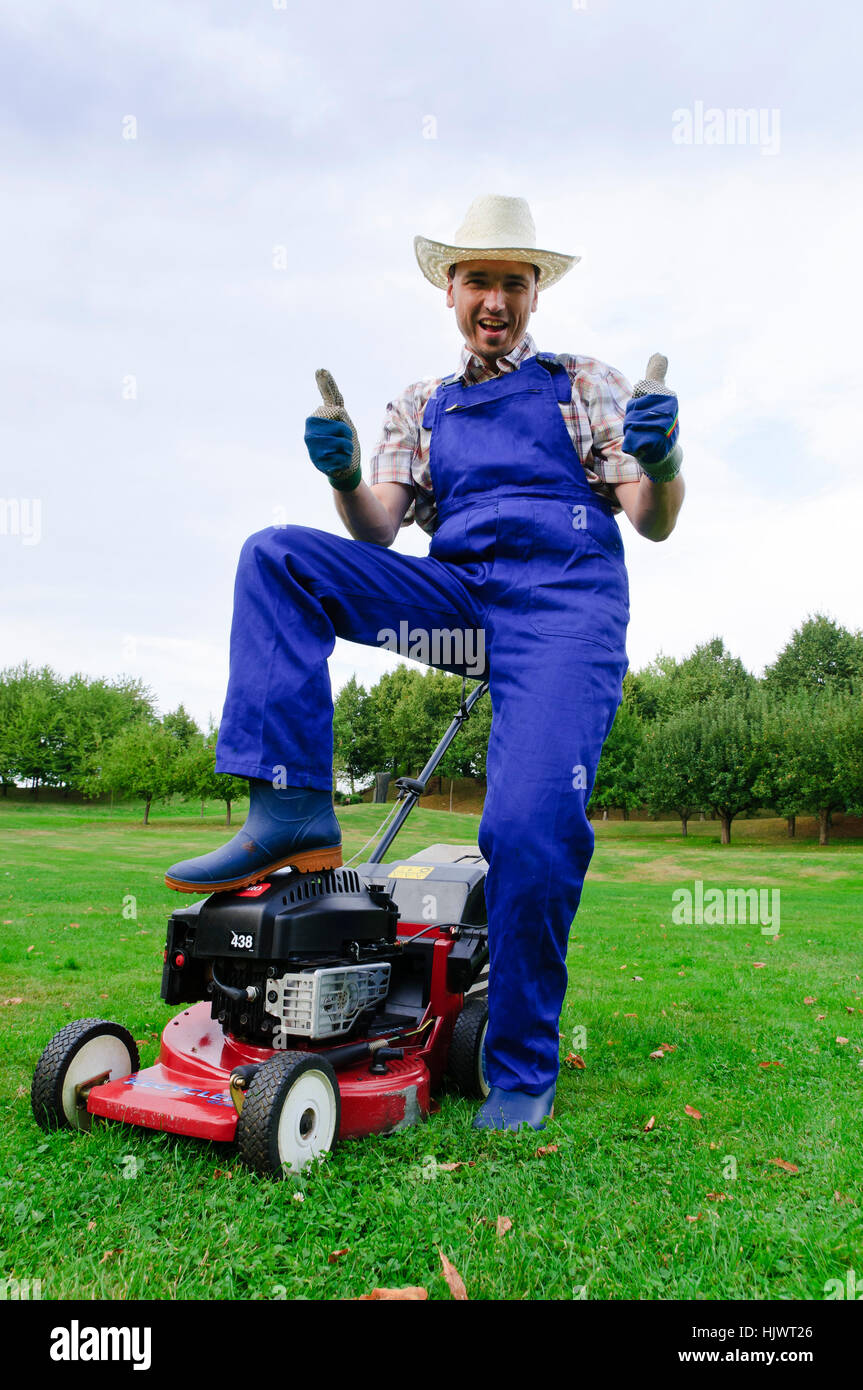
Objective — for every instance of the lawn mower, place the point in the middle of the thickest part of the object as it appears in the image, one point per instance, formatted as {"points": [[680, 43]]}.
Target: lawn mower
{"points": [[322, 1006]]}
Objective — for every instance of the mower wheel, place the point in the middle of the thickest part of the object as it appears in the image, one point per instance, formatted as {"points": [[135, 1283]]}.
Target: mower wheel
{"points": [[291, 1114], [91, 1050], [466, 1066]]}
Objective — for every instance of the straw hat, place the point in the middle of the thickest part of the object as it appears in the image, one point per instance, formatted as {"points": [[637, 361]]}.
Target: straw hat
{"points": [[494, 229]]}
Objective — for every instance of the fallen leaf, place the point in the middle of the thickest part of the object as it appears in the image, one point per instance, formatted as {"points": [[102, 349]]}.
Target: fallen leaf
{"points": [[696, 1114], [110, 1253], [788, 1167], [758, 964], [713, 1144], [546, 1149], [455, 1283], [502, 1225], [810, 999], [576, 1061], [717, 1196], [394, 1295], [640, 978], [222, 1173], [849, 1009], [819, 1018], [841, 1041], [16, 999], [668, 1047], [658, 1054], [91, 1225], [454, 1167], [337, 1255], [630, 1015], [29, 949], [650, 1123], [693, 1218]]}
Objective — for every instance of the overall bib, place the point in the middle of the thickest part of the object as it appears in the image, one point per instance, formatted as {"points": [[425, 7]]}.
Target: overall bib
{"points": [[530, 558]]}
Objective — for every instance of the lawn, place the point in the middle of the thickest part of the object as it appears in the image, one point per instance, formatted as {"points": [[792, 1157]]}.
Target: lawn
{"points": [[636, 1197]]}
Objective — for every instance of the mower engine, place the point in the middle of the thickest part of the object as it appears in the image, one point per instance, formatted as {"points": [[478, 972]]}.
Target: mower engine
{"points": [[304, 956]]}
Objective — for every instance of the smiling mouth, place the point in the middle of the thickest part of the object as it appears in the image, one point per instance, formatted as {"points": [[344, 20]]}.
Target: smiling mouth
{"points": [[492, 325]]}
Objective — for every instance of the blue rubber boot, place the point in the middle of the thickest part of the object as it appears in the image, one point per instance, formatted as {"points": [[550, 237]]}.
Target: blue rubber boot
{"points": [[512, 1109], [285, 825]]}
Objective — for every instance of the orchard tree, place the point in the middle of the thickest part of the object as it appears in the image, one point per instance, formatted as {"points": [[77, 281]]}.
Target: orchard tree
{"points": [[821, 655], [91, 713], [181, 726], [726, 758], [616, 782], [197, 775], [356, 742], [29, 744], [144, 761], [668, 686], [665, 767]]}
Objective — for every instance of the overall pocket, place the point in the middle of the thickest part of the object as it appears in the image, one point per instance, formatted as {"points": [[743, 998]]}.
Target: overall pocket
{"points": [[580, 587]]}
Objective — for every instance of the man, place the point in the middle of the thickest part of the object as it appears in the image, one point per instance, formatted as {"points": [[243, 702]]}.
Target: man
{"points": [[515, 466]]}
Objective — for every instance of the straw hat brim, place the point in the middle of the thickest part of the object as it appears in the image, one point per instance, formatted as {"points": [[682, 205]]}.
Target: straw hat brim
{"points": [[436, 257]]}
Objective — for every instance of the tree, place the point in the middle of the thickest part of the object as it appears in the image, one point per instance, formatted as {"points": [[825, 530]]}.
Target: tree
{"points": [[849, 747], [197, 774], [807, 743], [356, 742], [667, 686], [820, 655], [181, 726], [143, 761], [616, 782], [91, 713], [29, 742], [665, 766], [725, 752]]}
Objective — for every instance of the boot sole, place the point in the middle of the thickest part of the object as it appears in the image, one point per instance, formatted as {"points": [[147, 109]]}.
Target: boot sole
{"points": [[306, 861]]}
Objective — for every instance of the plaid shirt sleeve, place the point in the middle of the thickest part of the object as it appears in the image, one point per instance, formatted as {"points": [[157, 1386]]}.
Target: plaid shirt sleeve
{"points": [[605, 393], [400, 456]]}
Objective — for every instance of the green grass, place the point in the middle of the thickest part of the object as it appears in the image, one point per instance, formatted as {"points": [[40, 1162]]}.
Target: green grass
{"points": [[607, 1210]]}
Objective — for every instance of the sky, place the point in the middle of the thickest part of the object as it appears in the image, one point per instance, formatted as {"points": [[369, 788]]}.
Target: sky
{"points": [[204, 202]]}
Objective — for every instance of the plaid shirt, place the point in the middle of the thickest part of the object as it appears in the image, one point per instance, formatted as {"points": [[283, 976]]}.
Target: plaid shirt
{"points": [[594, 419]]}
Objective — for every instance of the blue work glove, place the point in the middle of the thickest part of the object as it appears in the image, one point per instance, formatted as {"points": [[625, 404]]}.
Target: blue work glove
{"points": [[331, 438], [650, 424]]}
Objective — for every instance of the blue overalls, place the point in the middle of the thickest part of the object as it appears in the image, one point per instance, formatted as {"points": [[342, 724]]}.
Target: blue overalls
{"points": [[525, 551]]}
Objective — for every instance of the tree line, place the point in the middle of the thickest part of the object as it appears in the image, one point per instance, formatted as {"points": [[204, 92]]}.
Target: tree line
{"points": [[699, 735], [102, 738]]}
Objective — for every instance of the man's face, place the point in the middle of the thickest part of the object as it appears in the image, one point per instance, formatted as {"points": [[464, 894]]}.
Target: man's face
{"points": [[493, 301]]}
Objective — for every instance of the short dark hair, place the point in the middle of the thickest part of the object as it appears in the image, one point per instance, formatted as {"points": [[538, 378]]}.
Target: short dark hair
{"points": [[451, 271]]}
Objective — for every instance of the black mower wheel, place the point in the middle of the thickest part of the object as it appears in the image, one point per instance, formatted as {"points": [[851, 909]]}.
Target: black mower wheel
{"points": [[465, 1064], [88, 1050], [291, 1114]]}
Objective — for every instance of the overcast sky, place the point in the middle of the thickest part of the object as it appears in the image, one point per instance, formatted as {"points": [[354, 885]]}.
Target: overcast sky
{"points": [[158, 365]]}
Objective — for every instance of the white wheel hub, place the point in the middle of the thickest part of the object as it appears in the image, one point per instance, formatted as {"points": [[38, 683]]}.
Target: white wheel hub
{"points": [[105, 1053], [307, 1121]]}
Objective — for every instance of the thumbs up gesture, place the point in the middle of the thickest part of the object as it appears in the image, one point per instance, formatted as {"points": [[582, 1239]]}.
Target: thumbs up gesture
{"points": [[331, 438], [651, 426]]}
